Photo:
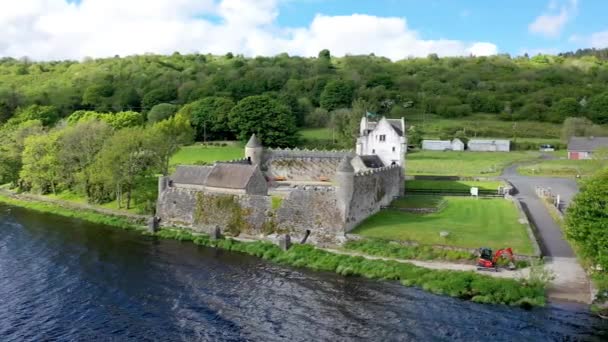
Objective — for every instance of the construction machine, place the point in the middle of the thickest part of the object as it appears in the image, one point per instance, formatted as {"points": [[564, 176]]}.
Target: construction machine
{"points": [[489, 261]]}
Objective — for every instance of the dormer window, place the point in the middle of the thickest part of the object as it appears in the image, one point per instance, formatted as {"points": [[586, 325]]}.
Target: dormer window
{"points": [[382, 137], [393, 148]]}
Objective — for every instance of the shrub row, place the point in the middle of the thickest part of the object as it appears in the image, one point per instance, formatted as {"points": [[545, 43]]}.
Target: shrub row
{"points": [[464, 285]]}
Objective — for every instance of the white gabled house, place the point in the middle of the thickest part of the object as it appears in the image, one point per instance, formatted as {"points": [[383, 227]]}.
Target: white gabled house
{"points": [[384, 138]]}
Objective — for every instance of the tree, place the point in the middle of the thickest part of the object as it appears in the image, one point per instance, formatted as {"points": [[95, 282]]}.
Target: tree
{"points": [[414, 136], [598, 108], [157, 96], [587, 219], [317, 118], [344, 123], [12, 143], [579, 127], [337, 94], [123, 160], [41, 167], [210, 117], [79, 144], [96, 96], [161, 112], [123, 119], [47, 115], [269, 119], [166, 137], [564, 108]]}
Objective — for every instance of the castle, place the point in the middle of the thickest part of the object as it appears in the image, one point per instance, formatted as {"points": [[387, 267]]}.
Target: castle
{"points": [[319, 195]]}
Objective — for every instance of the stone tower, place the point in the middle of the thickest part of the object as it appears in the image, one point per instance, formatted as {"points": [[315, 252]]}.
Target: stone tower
{"points": [[254, 151], [345, 179]]}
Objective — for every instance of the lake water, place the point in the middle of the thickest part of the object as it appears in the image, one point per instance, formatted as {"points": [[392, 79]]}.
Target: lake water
{"points": [[64, 279]]}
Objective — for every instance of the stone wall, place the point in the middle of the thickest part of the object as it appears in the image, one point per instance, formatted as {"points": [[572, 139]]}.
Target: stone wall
{"points": [[372, 190], [202, 211], [314, 209]]}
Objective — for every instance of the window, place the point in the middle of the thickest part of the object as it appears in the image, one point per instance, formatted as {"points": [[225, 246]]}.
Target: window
{"points": [[393, 148], [373, 151], [382, 137]]}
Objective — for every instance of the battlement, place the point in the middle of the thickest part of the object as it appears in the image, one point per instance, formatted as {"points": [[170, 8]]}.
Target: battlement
{"points": [[236, 161], [385, 169], [314, 188], [305, 153]]}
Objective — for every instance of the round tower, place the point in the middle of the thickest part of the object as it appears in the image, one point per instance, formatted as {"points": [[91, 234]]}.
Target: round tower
{"points": [[254, 151], [345, 181]]}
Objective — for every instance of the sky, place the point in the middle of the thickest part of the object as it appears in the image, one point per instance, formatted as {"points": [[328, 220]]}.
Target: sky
{"points": [[397, 29]]}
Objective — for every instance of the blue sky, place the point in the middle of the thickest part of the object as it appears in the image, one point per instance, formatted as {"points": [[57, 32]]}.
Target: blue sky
{"points": [[74, 29], [504, 23]]}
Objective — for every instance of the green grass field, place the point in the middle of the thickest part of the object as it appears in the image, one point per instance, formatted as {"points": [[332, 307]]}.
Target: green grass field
{"points": [[463, 163], [484, 125], [472, 223], [451, 185], [196, 154]]}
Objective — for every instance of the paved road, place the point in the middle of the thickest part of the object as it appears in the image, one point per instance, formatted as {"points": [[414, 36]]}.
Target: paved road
{"points": [[571, 282], [552, 241]]}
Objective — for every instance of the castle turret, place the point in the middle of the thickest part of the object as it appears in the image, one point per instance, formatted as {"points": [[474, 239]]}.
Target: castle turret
{"points": [[254, 151], [345, 179]]}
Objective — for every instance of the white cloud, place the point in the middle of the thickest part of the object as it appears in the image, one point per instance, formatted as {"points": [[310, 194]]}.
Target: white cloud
{"points": [[596, 40], [552, 23], [599, 39], [54, 29]]}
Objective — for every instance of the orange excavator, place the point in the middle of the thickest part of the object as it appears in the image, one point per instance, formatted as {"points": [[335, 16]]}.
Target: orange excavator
{"points": [[490, 262]]}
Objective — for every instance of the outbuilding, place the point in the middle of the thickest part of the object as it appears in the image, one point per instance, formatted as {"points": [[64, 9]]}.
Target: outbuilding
{"points": [[436, 145], [487, 145], [457, 145], [584, 147]]}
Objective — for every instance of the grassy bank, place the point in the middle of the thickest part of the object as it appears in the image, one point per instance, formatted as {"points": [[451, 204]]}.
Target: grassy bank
{"points": [[55, 209], [472, 223], [464, 285]]}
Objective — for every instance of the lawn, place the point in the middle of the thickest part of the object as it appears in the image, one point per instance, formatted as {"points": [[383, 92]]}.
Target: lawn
{"points": [[560, 168], [316, 133], [472, 223], [197, 154], [451, 163], [451, 185]]}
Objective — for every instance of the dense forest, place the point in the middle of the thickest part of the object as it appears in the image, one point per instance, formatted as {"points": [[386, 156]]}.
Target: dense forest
{"points": [[100, 127]]}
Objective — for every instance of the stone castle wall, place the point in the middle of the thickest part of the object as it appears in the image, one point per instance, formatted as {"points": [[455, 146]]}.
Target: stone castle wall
{"points": [[203, 210], [373, 189], [313, 209]]}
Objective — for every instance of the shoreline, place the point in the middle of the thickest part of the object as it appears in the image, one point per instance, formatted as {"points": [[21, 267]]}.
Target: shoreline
{"points": [[465, 285]]}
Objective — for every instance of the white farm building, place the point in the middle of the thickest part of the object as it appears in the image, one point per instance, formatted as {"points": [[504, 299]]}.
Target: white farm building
{"points": [[487, 145], [443, 145]]}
